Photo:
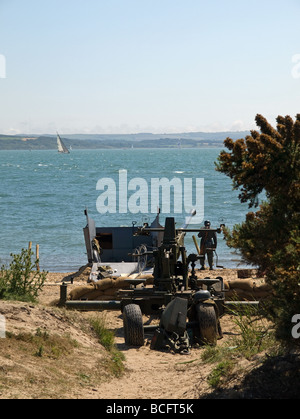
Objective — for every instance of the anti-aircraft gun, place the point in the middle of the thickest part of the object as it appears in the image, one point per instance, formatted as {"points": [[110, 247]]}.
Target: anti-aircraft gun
{"points": [[176, 295], [188, 308]]}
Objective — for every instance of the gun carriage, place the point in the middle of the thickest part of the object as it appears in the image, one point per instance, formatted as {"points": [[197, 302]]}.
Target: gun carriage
{"points": [[188, 308], [176, 295]]}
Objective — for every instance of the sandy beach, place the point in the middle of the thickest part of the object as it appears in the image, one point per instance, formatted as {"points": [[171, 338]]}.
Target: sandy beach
{"points": [[80, 373]]}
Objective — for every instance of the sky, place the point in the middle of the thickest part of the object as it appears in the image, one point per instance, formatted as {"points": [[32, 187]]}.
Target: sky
{"points": [[161, 66]]}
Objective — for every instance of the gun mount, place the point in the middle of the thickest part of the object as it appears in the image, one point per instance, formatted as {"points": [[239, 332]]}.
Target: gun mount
{"points": [[176, 295], [174, 282]]}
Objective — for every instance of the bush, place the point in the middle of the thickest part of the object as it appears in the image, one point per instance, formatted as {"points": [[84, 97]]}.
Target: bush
{"points": [[22, 280], [269, 161]]}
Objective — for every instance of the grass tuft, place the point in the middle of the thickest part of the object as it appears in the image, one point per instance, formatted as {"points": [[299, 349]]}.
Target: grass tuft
{"points": [[114, 362]]}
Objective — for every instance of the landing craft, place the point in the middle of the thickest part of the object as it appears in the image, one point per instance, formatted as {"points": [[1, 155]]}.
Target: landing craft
{"points": [[118, 244]]}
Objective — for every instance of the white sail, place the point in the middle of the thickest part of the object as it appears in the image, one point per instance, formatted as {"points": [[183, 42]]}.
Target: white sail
{"points": [[60, 145]]}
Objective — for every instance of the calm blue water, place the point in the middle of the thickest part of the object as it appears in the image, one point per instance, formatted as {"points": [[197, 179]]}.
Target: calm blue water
{"points": [[43, 196]]}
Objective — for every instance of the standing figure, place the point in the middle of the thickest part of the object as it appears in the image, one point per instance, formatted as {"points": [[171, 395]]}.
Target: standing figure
{"points": [[208, 244]]}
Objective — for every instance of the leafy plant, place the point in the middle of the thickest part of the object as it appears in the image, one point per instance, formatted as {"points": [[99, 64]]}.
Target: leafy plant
{"points": [[22, 280]]}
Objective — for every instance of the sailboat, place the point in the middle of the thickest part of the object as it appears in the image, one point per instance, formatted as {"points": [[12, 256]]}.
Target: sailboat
{"points": [[61, 146]]}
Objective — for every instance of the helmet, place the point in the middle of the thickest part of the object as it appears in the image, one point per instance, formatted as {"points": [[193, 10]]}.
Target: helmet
{"points": [[201, 295], [207, 223]]}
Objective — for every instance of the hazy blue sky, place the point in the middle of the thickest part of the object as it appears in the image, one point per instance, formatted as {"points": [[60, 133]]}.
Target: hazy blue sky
{"points": [[126, 66]]}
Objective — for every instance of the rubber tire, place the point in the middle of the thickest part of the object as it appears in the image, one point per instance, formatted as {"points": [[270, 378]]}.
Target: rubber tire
{"points": [[208, 325], [133, 325]]}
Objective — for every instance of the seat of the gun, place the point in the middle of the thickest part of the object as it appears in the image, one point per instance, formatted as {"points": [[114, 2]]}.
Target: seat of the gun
{"points": [[208, 281]]}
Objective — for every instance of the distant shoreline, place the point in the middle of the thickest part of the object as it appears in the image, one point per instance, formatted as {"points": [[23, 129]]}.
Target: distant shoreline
{"points": [[119, 141], [206, 146]]}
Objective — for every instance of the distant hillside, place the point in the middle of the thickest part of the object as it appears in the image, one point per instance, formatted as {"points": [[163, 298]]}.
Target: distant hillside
{"points": [[105, 141], [197, 136]]}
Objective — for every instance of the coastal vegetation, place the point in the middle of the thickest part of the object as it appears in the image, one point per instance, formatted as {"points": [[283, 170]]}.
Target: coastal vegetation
{"points": [[22, 280], [268, 162], [114, 360], [111, 141]]}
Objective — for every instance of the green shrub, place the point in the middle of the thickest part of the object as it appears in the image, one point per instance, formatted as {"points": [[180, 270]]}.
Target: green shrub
{"points": [[22, 280], [256, 334], [220, 373], [268, 162]]}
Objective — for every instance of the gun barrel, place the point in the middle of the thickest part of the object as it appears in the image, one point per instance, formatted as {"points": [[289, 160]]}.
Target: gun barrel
{"points": [[184, 230], [192, 213]]}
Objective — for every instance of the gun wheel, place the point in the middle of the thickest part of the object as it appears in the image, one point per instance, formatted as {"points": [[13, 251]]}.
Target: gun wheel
{"points": [[140, 254], [133, 325], [208, 324]]}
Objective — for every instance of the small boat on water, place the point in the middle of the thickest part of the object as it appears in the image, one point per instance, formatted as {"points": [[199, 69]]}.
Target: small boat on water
{"points": [[61, 148]]}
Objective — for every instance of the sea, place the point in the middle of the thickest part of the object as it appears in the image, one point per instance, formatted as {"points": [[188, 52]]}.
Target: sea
{"points": [[43, 196]]}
